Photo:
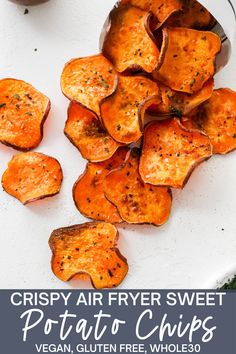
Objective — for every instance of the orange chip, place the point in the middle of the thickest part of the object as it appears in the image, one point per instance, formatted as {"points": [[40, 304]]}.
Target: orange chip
{"points": [[217, 118], [31, 176], [190, 59], [170, 153], [123, 112], [23, 111], [88, 191], [88, 249], [161, 9], [194, 15], [129, 43], [180, 103], [136, 201], [88, 80], [84, 130]]}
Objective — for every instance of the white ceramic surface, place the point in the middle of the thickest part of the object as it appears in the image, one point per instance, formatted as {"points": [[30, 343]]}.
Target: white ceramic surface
{"points": [[197, 245]]}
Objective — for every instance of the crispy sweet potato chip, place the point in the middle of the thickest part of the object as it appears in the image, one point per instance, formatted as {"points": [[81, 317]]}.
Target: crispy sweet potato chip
{"points": [[190, 59], [136, 201], [217, 118], [170, 153], [23, 111], [84, 130], [193, 15], [123, 112], [88, 191], [88, 80], [161, 9], [129, 43], [31, 176], [180, 103], [88, 249]]}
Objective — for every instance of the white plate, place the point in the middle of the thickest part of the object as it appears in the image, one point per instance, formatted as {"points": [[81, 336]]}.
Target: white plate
{"points": [[188, 252]]}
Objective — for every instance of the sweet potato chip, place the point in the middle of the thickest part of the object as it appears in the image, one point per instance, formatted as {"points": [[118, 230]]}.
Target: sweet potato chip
{"points": [[161, 9], [180, 103], [193, 15], [84, 130], [170, 153], [88, 249], [31, 176], [217, 118], [123, 112], [88, 80], [88, 191], [190, 59], [136, 201], [129, 44], [23, 111]]}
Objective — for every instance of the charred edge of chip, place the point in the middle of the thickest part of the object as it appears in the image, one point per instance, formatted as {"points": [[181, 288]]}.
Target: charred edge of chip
{"points": [[103, 101], [163, 49], [161, 116], [211, 25], [56, 234], [164, 46], [220, 48], [111, 94], [164, 40]]}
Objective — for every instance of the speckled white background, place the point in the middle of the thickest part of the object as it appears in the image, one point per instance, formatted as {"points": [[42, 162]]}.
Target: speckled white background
{"points": [[190, 251]]}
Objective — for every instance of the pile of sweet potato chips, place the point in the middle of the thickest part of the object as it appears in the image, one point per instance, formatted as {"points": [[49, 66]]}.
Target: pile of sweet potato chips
{"points": [[158, 57]]}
